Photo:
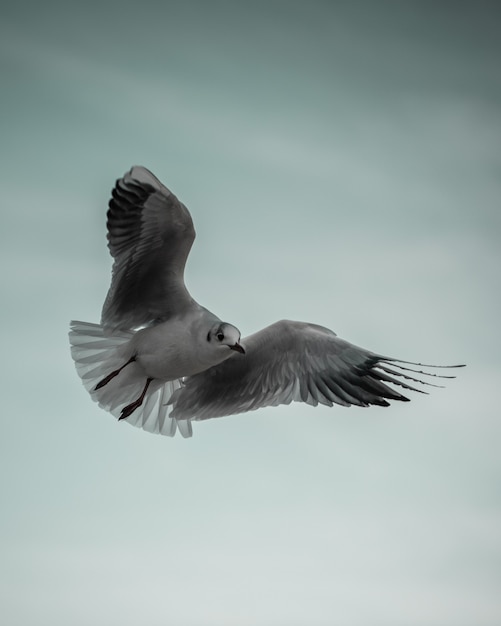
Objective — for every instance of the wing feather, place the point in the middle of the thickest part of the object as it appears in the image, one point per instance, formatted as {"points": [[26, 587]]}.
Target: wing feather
{"points": [[293, 361], [150, 234]]}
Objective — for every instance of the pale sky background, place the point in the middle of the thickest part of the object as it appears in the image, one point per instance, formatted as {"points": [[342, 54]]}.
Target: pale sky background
{"points": [[342, 164]]}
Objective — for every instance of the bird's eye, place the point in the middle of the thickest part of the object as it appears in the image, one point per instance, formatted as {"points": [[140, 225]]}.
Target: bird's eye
{"points": [[220, 336]]}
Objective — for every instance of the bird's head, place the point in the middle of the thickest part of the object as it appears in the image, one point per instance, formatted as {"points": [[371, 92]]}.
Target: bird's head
{"points": [[224, 336]]}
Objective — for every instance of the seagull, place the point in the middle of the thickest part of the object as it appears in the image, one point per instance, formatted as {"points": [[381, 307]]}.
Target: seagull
{"points": [[159, 360]]}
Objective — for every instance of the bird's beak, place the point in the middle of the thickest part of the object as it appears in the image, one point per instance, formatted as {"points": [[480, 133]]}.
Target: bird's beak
{"points": [[238, 348]]}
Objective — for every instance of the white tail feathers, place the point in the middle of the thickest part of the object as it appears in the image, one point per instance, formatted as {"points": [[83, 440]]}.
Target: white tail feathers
{"points": [[96, 355]]}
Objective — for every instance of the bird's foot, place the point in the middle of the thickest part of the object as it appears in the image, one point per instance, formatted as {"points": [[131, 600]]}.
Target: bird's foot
{"points": [[111, 376], [130, 408]]}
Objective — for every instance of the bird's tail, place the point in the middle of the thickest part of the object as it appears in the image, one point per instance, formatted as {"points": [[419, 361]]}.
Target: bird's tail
{"points": [[97, 355]]}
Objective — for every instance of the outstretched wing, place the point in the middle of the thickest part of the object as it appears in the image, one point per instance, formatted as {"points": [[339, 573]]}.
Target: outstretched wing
{"points": [[294, 361], [150, 234]]}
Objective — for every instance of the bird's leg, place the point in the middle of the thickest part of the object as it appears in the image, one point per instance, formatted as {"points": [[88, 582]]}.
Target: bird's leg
{"points": [[130, 408], [111, 376]]}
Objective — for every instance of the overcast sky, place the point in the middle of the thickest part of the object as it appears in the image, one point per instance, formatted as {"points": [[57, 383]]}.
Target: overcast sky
{"points": [[341, 161]]}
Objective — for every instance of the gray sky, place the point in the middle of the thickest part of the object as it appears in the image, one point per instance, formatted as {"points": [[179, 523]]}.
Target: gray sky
{"points": [[341, 162]]}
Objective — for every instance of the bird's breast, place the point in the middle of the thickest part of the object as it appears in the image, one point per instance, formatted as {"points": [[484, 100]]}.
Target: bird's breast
{"points": [[169, 351]]}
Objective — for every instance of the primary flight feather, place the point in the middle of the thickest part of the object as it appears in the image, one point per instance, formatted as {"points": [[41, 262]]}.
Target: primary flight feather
{"points": [[159, 359]]}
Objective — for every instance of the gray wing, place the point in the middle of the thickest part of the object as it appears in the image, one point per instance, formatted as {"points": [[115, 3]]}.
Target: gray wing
{"points": [[150, 234], [294, 361]]}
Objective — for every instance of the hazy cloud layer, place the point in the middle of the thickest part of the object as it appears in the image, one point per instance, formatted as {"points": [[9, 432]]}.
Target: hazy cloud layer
{"points": [[341, 162]]}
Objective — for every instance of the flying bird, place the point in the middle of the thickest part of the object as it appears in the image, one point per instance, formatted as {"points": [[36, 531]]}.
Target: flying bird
{"points": [[160, 360]]}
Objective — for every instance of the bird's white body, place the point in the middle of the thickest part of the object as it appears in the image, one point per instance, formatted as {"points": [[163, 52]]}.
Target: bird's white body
{"points": [[177, 348], [177, 356], [159, 360]]}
